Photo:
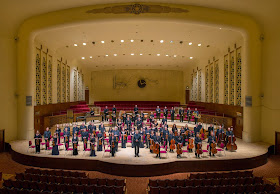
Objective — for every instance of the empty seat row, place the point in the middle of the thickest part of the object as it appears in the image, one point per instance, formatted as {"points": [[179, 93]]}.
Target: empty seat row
{"points": [[206, 182], [70, 180], [63, 188], [56, 172], [233, 174], [259, 188]]}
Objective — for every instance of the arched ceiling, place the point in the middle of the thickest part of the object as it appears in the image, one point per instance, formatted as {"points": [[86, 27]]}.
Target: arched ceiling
{"points": [[156, 45]]}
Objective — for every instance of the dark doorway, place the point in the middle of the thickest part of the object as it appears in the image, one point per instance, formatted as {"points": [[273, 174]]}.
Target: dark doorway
{"points": [[277, 143], [87, 96], [187, 96]]}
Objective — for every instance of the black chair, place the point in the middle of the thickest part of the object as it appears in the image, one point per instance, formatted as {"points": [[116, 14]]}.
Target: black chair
{"points": [[76, 181], [43, 179], [224, 181], [207, 182], [59, 179], [216, 181], [89, 188], [250, 188], [259, 188], [16, 184], [8, 183], [42, 186], [196, 182], [79, 188], [99, 189], [61, 188], [51, 179], [231, 188], [202, 189], [154, 190], [161, 183], [120, 182], [181, 182], [118, 189], [25, 184], [84, 181], [164, 190], [258, 180], [193, 190], [232, 181], [269, 188], [59, 173], [153, 183], [102, 182], [93, 181], [184, 189], [68, 180], [19, 176], [222, 189], [51, 187], [171, 183]]}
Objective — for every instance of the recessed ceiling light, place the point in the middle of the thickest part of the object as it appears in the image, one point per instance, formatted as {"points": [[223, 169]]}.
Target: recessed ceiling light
{"points": [[158, 54], [171, 41], [75, 45], [90, 57], [220, 28], [132, 53], [84, 43], [190, 43], [106, 55], [161, 41], [83, 57], [141, 54], [166, 55], [175, 55], [199, 44], [115, 55], [131, 40], [191, 57], [102, 41], [122, 40]]}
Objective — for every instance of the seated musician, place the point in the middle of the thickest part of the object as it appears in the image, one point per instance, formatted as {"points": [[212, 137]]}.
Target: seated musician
{"points": [[66, 136], [92, 113], [210, 128], [113, 142], [91, 128], [199, 126], [165, 112], [189, 114], [55, 150], [75, 144], [165, 135], [114, 109], [196, 113], [38, 139], [137, 140], [172, 114], [114, 118], [158, 112], [124, 115], [119, 123], [142, 134], [83, 127], [197, 140], [183, 134], [147, 136], [181, 113], [75, 129], [179, 140], [220, 130], [92, 145], [85, 138], [157, 141], [196, 130], [57, 132], [66, 127], [116, 133], [47, 137], [106, 113], [132, 133], [187, 130], [211, 139], [142, 116], [100, 139], [139, 123], [128, 123], [124, 137], [135, 110], [164, 120], [174, 128], [170, 137], [102, 130], [229, 133]]}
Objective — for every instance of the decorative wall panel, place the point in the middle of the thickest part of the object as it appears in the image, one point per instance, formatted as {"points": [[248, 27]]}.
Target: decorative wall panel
{"points": [[226, 79], [68, 83], [192, 98], [211, 78], [199, 86], [238, 76], [231, 78], [207, 84], [75, 85], [63, 82], [216, 81], [38, 76], [195, 86], [79, 86], [58, 81], [44, 78], [49, 79]]}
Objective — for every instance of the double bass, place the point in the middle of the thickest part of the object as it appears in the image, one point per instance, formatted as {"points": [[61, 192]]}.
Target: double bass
{"points": [[156, 148], [172, 145], [221, 140], [179, 149], [231, 146]]}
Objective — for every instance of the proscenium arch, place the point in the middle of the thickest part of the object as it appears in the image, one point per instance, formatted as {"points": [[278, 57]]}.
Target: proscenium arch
{"points": [[251, 69]]}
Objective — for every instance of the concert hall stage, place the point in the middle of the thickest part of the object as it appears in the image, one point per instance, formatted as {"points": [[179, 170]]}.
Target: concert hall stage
{"points": [[248, 155]]}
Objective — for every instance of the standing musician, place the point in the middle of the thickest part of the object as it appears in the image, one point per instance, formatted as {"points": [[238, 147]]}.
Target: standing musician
{"points": [[113, 141], [142, 116], [75, 144], [38, 139], [57, 132], [166, 135], [100, 139], [114, 118], [170, 137], [196, 113], [92, 113], [91, 128], [132, 133], [114, 109], [181, 113], [211, 139], [197, 140], [152, 138], [55, 145], [124, 115], [179, 140], [142, 134], [124, 138], [152, 116], [128, 123], [83, 127], [75, 129], [47, 137], [196, 130], [136, 140], [116, 133], [85, 138], [119, 124], [172, 114], [92, 145], [102, 131], [147, 137], [158, 112], [165, 112], [139, 123], [136, 110], [183, 134], [106, 113], [219, 131], [210, 129], [157, 141], [164, 120], [66, 127], [189, 113], [66, 136], [174, 128]]}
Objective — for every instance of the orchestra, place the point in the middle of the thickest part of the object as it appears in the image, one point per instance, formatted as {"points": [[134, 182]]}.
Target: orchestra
{"points": [[150, 134]]}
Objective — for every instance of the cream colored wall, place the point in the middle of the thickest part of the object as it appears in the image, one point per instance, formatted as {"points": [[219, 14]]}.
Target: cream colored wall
{"points": [[162, 85]]}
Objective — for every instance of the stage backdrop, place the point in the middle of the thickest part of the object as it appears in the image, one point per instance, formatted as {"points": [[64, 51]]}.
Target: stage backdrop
{"points": [[122, 85]]}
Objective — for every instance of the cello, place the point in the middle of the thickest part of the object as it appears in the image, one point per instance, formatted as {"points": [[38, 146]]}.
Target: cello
{"points": [[156, 148], [202, 133], [231, 146], [221, 140], [191, 146], [199, 148], [213, 148], [179, 149], [172, 145]]}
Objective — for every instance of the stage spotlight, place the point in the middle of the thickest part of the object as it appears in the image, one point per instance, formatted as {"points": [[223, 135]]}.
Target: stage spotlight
{"points": [[141, 54], [106, 55], [171, 41], [158, 54], [175, 55], [90, 57], [166, 55], [115, 55]]}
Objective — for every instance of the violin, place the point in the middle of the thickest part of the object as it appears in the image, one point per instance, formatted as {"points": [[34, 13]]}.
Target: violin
{"points": [[152, 144], [191, 146], [231, 146], [92, 146], [176, 133], [179, 149], [113, 144], [100, 142], [172, 145], [199, 148], [202, 133], [213, 148], [156, 148]]}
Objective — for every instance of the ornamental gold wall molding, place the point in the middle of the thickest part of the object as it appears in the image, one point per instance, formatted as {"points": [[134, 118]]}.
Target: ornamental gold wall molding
{"points": [[137, 9]]}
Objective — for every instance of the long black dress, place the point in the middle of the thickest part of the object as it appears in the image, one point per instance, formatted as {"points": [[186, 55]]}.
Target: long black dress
{"points": [[37, 142], [55, 147], [75, 145], [92, 148]]}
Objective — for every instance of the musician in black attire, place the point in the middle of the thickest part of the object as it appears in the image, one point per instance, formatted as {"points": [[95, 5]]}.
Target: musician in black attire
{"points": [[92, 113], [139, 124], [91, 128], [124, 115], [196, 113], [174, 128], [164, 120], [165, 112], [58, 131], [197, 140], [124, 138], [157, 141], [172, 114], [38, 139], [170, 137], [113, 142], [142, 137], [211, 139], [158, 112], [75, 130], [181, 113], [106, 113], [229, 134], [128, 123], [136, 140], [114, 109], [189, 114], [179, 140], [85, 138], [75, 144], [100, 140], [66, 135], [196, 130], [148, 136], [210, 129], [135, 110], [166, 135], [114, 118], [47, 137], [92, 145]]}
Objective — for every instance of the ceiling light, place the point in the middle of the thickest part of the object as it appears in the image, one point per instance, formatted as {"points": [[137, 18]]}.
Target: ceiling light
{"points": [[158, 54], [220, 28], [190, 43], [122, 40], [161, 41], [75, 45], [106, 55], [83, 57], [199, 44], [132, 53], [175, 55], [84, 43], [141, 54], [131, 40], [191, 57], [166, 55], [171, 41], [102, 41], [115, 55], [90, 57]]}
